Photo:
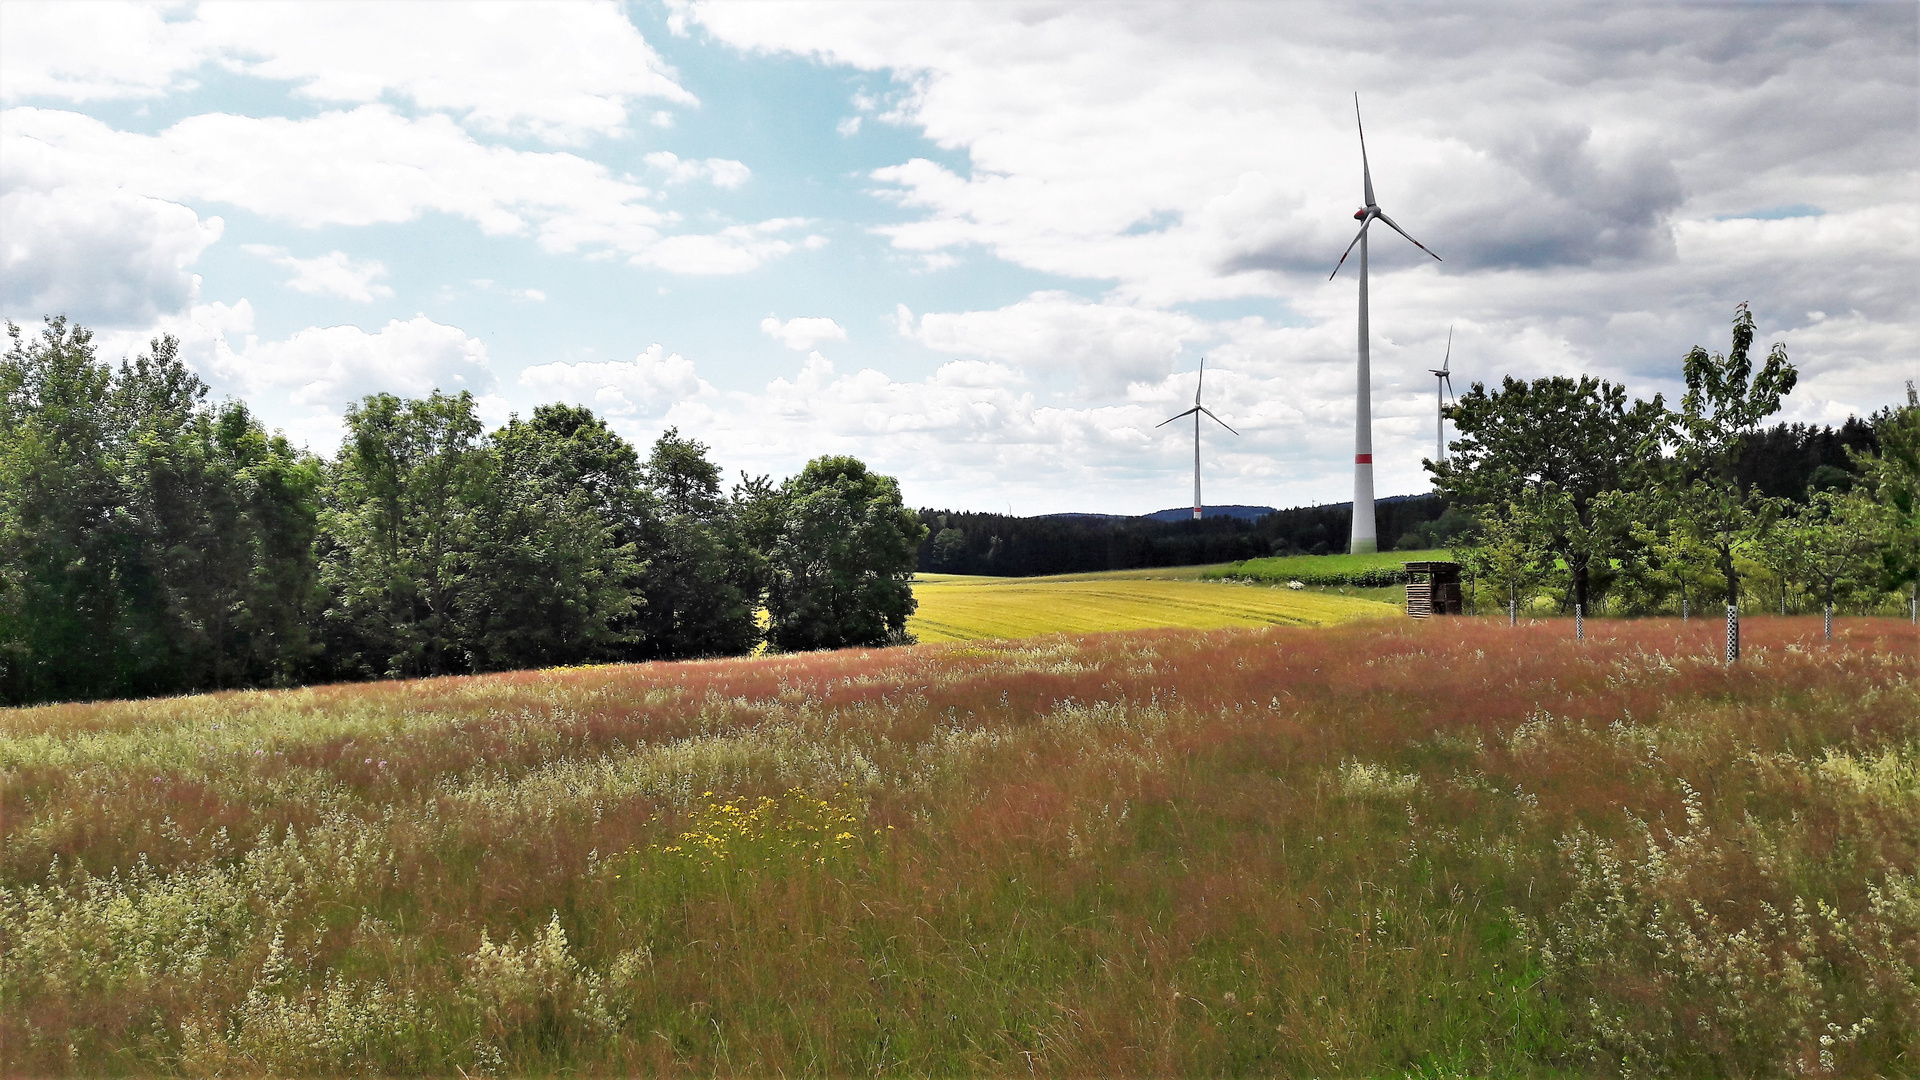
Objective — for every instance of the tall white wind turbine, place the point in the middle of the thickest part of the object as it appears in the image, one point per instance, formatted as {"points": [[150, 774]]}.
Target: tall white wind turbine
{"points": [[1442, 378], [1195, 413], [1365, 537]]}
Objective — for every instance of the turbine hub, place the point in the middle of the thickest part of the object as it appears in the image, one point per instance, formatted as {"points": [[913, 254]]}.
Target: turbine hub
{"points": [[1360, 214]]}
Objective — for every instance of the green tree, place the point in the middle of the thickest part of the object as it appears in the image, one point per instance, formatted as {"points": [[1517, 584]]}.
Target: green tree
{"points": [[554, 576], [1837, 536], [842, 566], [398, 535], [1561, 450], [1506, 556], [703, 574], [1892, 476], [59, 555], [1675, 569], [1725, 401], [219, 518]]}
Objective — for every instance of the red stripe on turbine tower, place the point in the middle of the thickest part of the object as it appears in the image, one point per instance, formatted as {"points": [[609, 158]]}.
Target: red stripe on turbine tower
{"points": [[1363, 459]]}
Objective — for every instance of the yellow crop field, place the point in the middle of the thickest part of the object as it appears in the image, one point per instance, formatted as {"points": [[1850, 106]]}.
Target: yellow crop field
{"points": [[957, 607]]}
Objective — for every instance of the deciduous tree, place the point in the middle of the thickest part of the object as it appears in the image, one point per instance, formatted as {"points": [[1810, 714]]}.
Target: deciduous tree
{"points": [[842, 565]]}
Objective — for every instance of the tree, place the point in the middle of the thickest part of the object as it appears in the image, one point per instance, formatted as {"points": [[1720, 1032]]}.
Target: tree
{"points": [[1837, 536], [1507, 555], [554, 576], [1562, 447], [397, 535], [702, 579], [1725, 401], [842, 565], [1892, 476], [59, 555], [218, 519], [1673, 563]]}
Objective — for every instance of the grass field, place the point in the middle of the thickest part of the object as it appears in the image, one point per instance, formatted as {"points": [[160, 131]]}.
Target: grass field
{"points": [[1380, 848], [955, 607], [1307, 567]]}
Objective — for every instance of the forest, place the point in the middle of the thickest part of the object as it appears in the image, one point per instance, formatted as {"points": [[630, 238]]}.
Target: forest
{"points": [[153, 542]]}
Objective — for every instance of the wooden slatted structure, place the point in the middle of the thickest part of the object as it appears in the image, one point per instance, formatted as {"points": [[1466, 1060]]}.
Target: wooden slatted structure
{"points": [[1433, 588]]}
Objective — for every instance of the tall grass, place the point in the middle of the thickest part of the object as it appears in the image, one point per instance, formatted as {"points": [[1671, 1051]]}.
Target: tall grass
{"points": [[1445, 848]]}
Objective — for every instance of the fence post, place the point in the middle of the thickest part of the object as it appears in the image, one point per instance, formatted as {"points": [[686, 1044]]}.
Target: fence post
{"points": [[1829, 620], [1512, 612], [1579, 623], [1733, 633], [1683, 607]]}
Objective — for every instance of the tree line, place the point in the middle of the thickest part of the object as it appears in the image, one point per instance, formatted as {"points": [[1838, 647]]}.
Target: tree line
{"points": [[960, 542], [1585, 498], [154, 542]]}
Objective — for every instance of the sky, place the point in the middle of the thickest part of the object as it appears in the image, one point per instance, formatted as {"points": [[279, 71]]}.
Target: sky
{"points": [[983, 247]]}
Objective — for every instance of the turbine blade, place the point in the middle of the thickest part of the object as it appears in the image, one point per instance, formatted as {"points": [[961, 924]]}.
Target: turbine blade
{"points": [[1410, 239], [1449, 357], [1349, 251], [1366, 171], [1217, 420], [1201, 383], [1182, 416]]}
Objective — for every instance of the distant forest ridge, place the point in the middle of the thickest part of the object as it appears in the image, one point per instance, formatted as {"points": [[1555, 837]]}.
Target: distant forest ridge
{"points": [[1784, 461]]}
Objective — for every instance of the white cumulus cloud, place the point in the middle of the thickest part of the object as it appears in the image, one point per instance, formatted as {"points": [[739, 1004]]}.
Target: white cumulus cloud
{"points": [[559, 72], [647, 385], [802, 333], [332, 274], [721, 172]]}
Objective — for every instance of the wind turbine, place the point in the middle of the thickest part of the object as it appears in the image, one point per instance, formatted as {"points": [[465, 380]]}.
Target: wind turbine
{"points": [[1441, 377], [1195, 413], [1365, 537]]}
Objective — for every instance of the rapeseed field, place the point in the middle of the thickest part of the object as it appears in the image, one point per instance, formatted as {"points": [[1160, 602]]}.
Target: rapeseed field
{"points": [[1378, 848], [955, 607]]}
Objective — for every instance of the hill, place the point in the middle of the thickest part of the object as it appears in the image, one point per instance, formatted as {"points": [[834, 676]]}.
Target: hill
{"points": [[1185, 513], [955, 607], [1380, 848]]}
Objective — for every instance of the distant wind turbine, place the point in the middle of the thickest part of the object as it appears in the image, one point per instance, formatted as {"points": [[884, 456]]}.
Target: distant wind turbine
{"points": [[1195, 413], [1365, 537], [1441, 377]]}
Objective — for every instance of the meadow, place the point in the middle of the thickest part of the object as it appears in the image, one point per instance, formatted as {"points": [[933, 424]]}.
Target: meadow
{"points": [[1378, 848], [954, 607], [1323, 569]]}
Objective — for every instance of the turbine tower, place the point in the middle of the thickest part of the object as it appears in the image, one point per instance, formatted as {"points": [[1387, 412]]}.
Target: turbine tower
{"points": [[1365, 537], [1195, 413], [1441, 377]]}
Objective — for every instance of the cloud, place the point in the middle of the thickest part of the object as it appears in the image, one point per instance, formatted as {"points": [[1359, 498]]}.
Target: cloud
{"points": [[332, 274], [802, 333], [722, 172], [97, 51], [374, 166], [101, 255], [1108, 344], [559, 73], [644, 386]]}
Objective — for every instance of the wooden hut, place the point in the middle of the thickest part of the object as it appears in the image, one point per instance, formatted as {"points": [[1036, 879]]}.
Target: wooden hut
{"points": [[1433, 588]]}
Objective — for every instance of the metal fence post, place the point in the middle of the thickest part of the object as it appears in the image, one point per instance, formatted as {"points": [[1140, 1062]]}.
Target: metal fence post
{"points": [[1733, 633], [1513, 616], [1829, 620], [1579, 623]]}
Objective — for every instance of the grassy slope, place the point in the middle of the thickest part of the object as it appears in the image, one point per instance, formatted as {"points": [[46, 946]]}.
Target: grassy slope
{"points": [[1286, 567], [955, 607], [1368, 849]]}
